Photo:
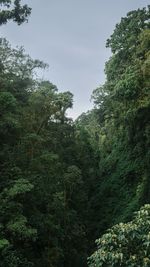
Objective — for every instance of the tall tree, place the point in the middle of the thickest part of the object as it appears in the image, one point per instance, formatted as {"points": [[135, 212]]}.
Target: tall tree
{"points": [[123, 108]]}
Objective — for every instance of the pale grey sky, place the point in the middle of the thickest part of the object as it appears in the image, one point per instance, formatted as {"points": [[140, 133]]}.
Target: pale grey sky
{"points": [[70, 36]]}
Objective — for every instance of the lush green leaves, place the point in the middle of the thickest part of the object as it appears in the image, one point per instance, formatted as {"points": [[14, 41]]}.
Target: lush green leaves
{"points": [[63, 183], [125, 244]]}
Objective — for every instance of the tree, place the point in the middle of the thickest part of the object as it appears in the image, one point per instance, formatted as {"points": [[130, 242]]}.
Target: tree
{"points": [[13, 10], [42, 193], [16, 83], [16, 232], [123, 107]]}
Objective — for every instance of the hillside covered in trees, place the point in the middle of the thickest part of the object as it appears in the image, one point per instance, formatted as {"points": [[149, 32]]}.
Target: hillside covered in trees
{"points": [[63, 183]]}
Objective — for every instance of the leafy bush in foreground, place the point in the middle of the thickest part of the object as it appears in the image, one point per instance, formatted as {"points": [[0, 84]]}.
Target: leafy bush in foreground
{"points": [[125, 244]]}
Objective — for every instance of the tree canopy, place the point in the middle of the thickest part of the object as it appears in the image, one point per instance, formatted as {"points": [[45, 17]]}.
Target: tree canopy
{"points": [[65, 183]]}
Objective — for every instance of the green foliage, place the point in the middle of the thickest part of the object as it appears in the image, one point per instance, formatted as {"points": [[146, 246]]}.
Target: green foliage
{"points": [[122, 106], [42, 189], [125, 244], [18, 228], [3, 243], [13, 10], [63, 183], [20, 186], [125, 34]]}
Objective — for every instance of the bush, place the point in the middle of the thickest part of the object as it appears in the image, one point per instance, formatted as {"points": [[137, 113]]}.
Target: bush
{"points": [[125, 244]]}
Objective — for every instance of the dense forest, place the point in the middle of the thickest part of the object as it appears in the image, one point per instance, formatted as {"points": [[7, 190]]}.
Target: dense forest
{"points": [[63, 182]]}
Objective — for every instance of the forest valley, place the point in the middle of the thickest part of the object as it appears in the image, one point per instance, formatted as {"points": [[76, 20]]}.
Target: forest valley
{"points": [[64, 183]]}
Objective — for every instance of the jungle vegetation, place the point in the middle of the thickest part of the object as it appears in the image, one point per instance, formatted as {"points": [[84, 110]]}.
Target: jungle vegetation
{"points": [[64, 183]]}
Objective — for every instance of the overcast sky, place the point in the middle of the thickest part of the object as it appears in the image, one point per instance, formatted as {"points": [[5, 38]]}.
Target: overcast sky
{"points": [[70, 36]]}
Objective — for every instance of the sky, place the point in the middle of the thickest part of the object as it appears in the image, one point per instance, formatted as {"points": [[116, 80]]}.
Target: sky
{"points": [[70, 35]]}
